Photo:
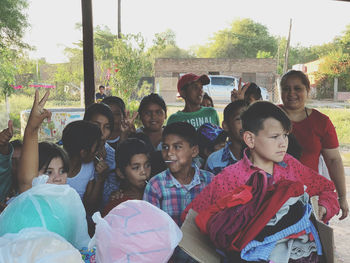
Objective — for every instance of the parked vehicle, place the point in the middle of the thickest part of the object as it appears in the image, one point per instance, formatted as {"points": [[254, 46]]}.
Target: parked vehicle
{"points": [[220, 87]]}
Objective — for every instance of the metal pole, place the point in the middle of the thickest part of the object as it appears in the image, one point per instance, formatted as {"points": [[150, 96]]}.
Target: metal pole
{"points": [[88, 52]]}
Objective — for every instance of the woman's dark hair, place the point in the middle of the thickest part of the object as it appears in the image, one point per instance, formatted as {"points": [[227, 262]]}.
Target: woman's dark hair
{"points": [[295, 74], [114, 100], [102, 109], [252, 90], [294, 148], [49, 151], [255, 115], [127, 149], [207, 97], [183, 130], [80, 135], [152, 98]]}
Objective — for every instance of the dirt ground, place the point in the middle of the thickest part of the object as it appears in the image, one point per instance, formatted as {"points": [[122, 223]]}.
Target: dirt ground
{"points": [[342, 231]]}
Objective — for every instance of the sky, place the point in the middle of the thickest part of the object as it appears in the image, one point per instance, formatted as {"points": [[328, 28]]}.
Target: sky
{"points": [[53, 23]]}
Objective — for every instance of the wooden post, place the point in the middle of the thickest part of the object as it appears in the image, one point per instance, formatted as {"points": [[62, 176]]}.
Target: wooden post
{"points": [[286, 54], [119, 19], [88, 52]]}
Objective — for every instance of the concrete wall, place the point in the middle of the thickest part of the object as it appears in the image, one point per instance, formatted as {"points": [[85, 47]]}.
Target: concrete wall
{"points": [[343, 96], [167, 71]]}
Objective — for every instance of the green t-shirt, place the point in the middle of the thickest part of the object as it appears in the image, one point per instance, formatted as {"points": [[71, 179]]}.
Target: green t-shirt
{"points": [[5, 174], [196, 118]]}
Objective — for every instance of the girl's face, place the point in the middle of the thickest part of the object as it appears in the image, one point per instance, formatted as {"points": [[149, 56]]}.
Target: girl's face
{"points": [[102, 122], [153, 117], [138, 171], [206, 103], [55, 171]]}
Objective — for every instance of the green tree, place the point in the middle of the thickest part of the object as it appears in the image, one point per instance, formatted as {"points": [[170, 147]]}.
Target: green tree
{"points": [[13, 22], [244, 39], [7, 71], [130, 63], [344, 40]]}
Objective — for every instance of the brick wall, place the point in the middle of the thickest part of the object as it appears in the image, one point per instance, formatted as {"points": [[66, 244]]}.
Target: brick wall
{"points": [[167, 71]]}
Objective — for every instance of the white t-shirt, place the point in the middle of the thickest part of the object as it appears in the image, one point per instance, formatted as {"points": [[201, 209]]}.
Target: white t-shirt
{"points": [[81, 180]]}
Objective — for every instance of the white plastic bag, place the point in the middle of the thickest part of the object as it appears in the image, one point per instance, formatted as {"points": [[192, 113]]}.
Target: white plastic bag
{"points": [[135, 231], [58, 208], [37, 245]]}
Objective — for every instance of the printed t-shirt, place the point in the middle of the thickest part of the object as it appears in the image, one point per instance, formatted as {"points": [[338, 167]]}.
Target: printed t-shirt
{"points": [[196, 118]]}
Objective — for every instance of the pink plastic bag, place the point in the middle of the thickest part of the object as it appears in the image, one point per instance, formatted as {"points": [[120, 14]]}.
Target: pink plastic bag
{"points": [[135, 231]]}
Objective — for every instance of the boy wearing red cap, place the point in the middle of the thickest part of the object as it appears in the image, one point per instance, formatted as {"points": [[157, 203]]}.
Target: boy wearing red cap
{"points": [[190, 87]]}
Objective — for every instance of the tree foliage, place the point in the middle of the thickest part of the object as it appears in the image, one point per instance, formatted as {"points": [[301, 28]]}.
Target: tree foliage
{"points": [[13, 22], [130, 63], [335, 65], [7, 70], [243, 39]]}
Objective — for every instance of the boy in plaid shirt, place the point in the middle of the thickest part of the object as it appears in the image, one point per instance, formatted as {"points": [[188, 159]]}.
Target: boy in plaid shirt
{"points": [[173, 189]]}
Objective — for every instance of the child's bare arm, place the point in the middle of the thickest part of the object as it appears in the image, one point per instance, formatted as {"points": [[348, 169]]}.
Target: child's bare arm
{"points": [[29, 161], [5, 137], [94, 189]]}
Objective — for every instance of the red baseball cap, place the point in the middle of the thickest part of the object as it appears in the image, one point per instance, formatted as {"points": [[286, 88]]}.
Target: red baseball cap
{"points": [[190, 77]]}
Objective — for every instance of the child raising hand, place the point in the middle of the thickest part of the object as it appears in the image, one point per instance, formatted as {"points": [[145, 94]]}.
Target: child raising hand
{"points": [[6, 151]]}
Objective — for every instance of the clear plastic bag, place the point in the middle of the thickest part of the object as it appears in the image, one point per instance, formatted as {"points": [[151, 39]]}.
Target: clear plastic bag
{"points": [[57, 208], [135, 231], [34, 245]]}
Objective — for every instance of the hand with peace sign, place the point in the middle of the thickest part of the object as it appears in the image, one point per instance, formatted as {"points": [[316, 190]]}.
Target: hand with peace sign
{"points": [[127, 125], [29, 163], [239, 94], [5, 137], [38, 112]]}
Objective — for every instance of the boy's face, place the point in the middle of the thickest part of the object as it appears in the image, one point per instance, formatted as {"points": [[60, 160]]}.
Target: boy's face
{"points": [[138, 171], [270, 144], [153, 117], [117, 117], [193, 93], [233, 126], [179, 152], [89, 156], [102, 122]]}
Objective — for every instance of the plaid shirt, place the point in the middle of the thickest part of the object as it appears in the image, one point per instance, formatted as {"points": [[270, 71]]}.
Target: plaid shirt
{"points": [[165, 192], [220, 159]]}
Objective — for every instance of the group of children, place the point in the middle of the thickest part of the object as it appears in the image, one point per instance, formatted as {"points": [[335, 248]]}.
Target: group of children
{"points": [[189, 163]]}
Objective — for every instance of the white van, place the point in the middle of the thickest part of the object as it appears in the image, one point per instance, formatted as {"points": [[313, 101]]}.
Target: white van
{"points": [[220, 87]]}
